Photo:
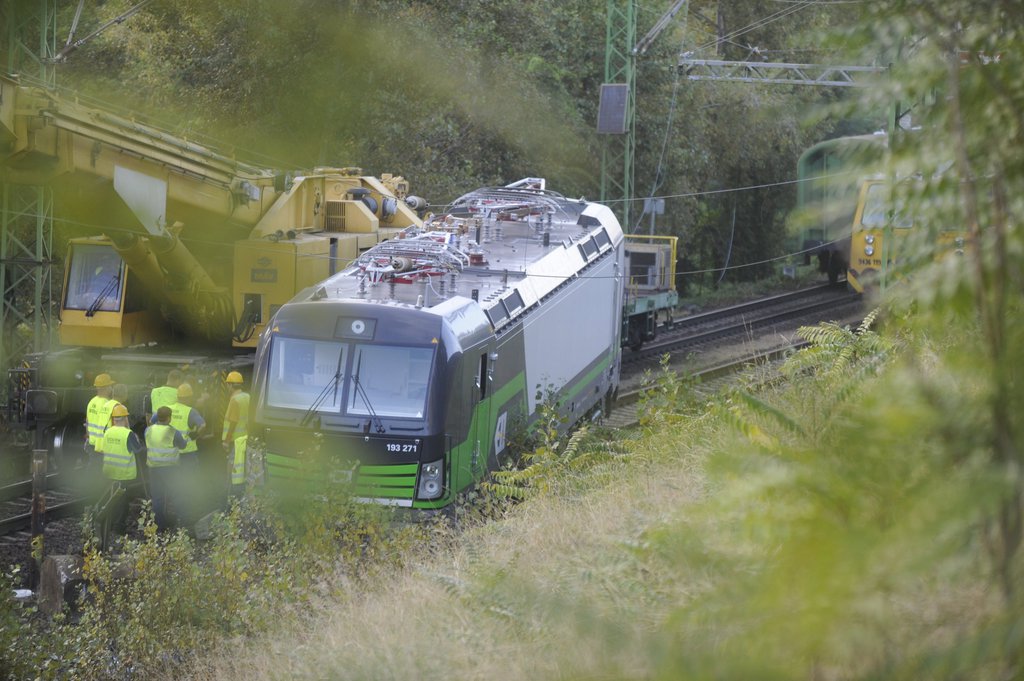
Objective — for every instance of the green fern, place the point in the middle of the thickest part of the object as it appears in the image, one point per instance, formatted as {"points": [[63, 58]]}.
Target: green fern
{"points": [[836, 364]]}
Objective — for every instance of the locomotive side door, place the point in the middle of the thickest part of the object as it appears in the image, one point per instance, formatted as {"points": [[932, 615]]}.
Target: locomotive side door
{"points": [[481, 433]]}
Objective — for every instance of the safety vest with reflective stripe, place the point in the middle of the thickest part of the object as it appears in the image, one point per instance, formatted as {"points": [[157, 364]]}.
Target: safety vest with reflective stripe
{"points": [[179, 419], [106, 418], [242, 425], [164, 396], [238, 465], [118, 462], [95, 421], [160, 449]]}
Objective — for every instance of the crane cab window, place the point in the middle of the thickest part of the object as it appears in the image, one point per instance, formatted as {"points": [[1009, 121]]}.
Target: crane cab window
{"points": [[95, 279]]}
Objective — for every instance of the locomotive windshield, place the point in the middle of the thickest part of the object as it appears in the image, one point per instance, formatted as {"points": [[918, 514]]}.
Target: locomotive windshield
{"points": [[299, 371], [877, 207], [378, 380], [393, 379]]}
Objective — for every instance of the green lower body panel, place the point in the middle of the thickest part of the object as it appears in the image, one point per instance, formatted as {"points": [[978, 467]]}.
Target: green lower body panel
{"points": [[386, 482], [389, 484]]}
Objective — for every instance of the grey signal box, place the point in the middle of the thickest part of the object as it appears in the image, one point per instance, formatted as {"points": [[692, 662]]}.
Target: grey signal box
{"points": [[611, 109]]}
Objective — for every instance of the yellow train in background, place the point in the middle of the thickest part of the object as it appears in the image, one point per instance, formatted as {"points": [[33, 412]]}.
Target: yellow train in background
{"points": [[890, 238]]}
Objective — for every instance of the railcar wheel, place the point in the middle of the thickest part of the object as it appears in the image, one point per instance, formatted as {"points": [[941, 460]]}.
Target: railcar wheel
{"points": [[836, 267], [636, 337], [68, 444]]}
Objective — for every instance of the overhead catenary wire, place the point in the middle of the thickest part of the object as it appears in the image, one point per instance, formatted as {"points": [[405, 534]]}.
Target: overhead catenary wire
{"points": [[760, 23]]}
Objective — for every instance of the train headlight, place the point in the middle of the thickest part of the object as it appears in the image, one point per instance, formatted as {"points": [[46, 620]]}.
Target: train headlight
{"points": [[431, 484], [869, 250], [869, 238]]}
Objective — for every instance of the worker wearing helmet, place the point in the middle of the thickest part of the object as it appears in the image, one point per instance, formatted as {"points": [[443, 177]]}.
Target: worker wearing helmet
{"points": [[120, 447], [236, 421], [185, 419], [163, 447], [118, 395], [97, 413], [165, 395]]}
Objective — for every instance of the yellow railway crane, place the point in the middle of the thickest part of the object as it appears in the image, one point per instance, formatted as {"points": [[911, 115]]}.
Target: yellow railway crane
{"points": [[180, 254]]}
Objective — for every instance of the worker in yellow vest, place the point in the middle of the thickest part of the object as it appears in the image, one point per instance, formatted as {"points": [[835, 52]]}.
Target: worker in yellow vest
{"points": [[163, 448], [165, 395], [97, 413], [190, 423], [118, 395], [236, 421], [120, 447], [185, 419]]}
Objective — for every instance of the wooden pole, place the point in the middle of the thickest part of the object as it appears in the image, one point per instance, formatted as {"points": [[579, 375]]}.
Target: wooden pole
{"points": [[38, 513]]}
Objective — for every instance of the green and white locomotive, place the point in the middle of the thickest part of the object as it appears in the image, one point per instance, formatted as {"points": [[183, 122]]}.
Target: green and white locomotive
{"points": [[405, 373]]}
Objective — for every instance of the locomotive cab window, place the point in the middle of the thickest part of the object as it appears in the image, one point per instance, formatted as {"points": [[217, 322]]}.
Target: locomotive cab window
{"points": [[95, 279], [876, 209], [390, 380], [303, 371]]}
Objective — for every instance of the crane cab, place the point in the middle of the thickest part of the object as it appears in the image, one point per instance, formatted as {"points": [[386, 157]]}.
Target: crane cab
{"points": [[103, 303]]}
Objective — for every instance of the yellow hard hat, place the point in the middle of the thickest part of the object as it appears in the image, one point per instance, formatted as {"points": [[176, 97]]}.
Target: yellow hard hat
{"points": [[233, 377], [119, 410], [102, 381], [184, 390]]}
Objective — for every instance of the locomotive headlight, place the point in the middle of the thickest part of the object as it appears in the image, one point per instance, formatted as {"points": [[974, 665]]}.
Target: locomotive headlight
{"points": [[869, 238], [869, 250], [431, 480]]}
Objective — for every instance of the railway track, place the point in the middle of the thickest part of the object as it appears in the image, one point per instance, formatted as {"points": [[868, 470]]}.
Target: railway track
{"points": [[16, 504], [742, 321], [708, 382], [743, 324], [713, 346]]}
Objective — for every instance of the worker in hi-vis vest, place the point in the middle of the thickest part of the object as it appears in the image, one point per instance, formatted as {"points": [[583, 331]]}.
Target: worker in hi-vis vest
{"points": [[97, 413], [236, 425], [163, 456], [185, 419], [187, 495], [118, 396], [164, 395], [120, 447]]}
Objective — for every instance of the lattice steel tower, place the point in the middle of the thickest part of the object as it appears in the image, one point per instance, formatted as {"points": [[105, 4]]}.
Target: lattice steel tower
{"points": [[26, 212], [619, 139]]}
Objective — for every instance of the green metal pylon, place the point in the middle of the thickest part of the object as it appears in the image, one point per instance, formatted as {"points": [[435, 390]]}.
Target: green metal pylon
{"points": [[26, 212], [618, 150]]}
